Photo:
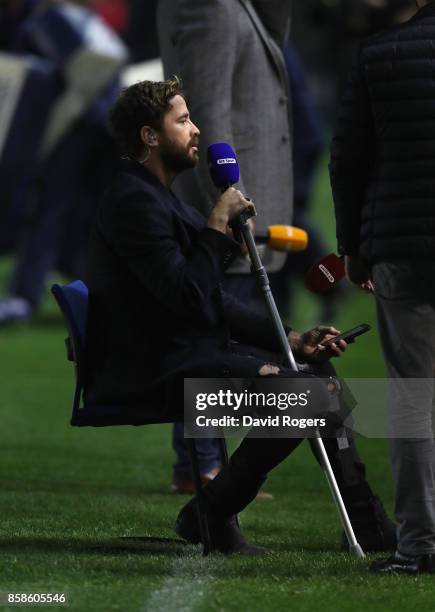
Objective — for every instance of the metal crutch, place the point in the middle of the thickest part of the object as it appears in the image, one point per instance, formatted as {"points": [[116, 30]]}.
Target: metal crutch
{"points": [[240, 224]]}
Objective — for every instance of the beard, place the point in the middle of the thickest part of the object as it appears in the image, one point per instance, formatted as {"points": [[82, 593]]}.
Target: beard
{"points": [[177, 158]]}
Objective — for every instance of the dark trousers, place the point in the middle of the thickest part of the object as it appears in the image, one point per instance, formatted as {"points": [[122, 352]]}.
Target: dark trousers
{"points": [[406, 316], [207, 450], [238, 483]]}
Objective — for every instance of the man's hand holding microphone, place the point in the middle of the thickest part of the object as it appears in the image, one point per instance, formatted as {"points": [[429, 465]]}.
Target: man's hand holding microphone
{"points": [[230, 205]]}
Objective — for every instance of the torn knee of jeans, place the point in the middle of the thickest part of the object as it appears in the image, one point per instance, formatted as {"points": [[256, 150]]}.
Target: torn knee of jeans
{"points": [[333, 385], [267, 369]]}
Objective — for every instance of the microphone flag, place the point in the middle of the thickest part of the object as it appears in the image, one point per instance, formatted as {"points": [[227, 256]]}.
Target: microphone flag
{"points": [[325, 274]]}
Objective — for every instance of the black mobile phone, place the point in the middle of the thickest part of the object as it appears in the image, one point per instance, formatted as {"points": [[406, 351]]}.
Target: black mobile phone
{"points": [[349, 335]]}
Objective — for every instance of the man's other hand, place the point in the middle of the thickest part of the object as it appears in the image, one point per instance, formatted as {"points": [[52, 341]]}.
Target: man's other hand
{"points": [[308, 344], [230, 205], [358, 272]]}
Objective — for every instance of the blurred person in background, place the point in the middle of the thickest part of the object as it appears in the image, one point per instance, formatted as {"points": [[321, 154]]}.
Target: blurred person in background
{"points": [[308, 145], [383, 183], [116, 13], [135, 22], [327, 32], [141, 34], [51, 203]]}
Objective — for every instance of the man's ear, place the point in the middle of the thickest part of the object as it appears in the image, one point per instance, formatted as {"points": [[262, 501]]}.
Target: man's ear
{"points": [[149, 136]]}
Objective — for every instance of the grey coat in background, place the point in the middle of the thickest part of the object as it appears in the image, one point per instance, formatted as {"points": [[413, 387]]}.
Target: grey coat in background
{"points": [[235, 79]]}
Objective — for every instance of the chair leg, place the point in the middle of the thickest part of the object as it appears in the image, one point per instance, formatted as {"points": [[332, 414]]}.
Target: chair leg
{"points": [[201, 502], [223, 451]]}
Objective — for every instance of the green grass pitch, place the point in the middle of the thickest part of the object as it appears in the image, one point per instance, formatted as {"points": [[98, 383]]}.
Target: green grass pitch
{"points": [[68, 495]]}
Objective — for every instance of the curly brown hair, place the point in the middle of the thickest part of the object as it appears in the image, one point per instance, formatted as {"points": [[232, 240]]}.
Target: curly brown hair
{"points": [[143, 103]]}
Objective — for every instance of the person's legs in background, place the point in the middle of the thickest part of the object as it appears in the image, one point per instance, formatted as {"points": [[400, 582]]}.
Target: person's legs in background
{"points": [[208, 458], [406, 315], [67, 189]]}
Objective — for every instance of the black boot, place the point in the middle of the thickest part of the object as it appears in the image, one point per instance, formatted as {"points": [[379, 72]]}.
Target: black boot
{"points": [[225, 534], [373, 529], [404, 564]]}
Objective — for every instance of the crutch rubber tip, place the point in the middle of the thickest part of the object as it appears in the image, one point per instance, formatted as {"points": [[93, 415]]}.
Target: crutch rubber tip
{"points": [[357, 551]]}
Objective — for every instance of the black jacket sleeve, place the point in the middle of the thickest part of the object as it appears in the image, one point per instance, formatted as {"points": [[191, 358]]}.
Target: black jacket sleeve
{"points": [[140, 229], [249, 327], [352, 153]]}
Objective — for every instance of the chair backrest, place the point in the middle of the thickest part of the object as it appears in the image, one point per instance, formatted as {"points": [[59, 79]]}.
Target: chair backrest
{"points": [[73, 302]]}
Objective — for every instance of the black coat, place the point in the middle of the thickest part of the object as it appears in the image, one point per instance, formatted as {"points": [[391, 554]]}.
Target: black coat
{"points": [[156, 310], [383, 152]]}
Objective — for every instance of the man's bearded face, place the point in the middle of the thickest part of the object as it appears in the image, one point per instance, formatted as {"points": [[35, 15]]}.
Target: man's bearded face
{"points": [[178, 138]]}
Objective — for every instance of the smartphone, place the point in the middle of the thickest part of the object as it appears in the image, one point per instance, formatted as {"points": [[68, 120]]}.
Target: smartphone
{"points": [[349, 335]]}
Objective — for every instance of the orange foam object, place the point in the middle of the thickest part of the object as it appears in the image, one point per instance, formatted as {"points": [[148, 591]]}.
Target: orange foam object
{"points": [[287, 238]]}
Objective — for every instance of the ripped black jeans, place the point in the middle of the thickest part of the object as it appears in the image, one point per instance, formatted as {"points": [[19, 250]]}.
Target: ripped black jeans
{"points": [[238, 483]]}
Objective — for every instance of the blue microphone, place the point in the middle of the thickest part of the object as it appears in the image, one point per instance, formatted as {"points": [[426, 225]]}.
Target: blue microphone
{"points": [[223, 166], [224, 172]]}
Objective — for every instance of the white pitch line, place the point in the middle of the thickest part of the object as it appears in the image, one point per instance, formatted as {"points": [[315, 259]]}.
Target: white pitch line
{"points": [[183, 591]]}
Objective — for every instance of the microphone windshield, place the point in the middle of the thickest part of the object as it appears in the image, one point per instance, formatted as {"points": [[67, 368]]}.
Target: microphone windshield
{"points": [[286, 238], [325, 274], [223, 166]]}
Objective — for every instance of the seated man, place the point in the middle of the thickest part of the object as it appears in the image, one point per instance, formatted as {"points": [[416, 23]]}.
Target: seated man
{"points": [[157, 313]]}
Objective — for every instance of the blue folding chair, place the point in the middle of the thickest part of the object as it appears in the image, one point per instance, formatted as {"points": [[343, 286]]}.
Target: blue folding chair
{"points": [[73, 302]]}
